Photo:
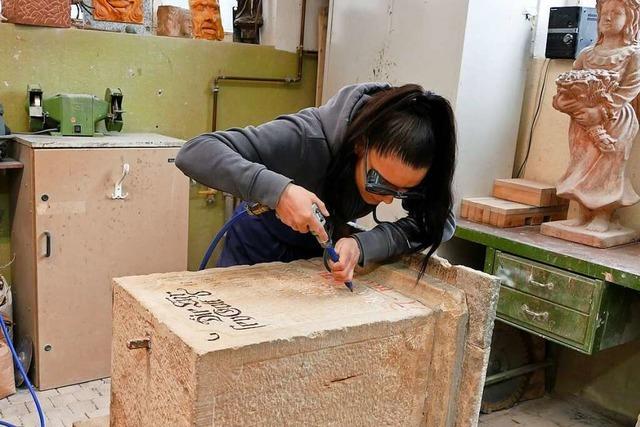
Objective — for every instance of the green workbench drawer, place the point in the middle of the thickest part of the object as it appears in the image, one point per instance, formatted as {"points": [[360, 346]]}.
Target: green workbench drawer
{"points": [[548, 318], [583, 313], [549, 283]]}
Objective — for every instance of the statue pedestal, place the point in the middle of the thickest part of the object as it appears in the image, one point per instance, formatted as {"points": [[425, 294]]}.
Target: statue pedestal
{"points": [[615, 236]]}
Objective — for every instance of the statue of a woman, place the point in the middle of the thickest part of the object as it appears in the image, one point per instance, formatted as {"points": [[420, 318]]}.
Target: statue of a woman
{"points": [[598, 98]]}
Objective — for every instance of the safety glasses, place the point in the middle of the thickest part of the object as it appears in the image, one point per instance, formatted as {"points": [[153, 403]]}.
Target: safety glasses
{"points": [[376, 184]]}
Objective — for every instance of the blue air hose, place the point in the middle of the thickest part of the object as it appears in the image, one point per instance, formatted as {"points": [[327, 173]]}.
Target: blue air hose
{"points": [[220, 235], [24, 375]]}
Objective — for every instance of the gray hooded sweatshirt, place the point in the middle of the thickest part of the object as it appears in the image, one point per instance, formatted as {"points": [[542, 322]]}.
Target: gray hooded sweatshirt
{"points": [[257, 163]]}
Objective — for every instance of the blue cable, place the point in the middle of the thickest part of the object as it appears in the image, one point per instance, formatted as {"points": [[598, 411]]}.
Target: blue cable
{"points": [[220, 235], [24, 375]]}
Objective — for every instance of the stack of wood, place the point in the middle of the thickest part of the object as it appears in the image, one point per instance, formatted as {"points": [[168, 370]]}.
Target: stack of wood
{"points": [[516, 202]]}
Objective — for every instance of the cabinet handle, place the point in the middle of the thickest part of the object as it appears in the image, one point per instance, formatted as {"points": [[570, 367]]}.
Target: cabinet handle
{"points": [[539, 316], [47, 237], [549, 285]]}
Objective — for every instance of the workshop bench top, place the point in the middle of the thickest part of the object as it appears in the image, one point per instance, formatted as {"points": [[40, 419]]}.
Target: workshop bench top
{"points": [[618, 265]]}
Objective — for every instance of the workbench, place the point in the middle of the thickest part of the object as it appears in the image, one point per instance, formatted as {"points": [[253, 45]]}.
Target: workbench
{"points": [[584, 298]]}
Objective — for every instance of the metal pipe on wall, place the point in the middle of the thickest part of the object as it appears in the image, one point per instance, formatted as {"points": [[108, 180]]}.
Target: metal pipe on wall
{"points": [[286, 80], [228, 198]]}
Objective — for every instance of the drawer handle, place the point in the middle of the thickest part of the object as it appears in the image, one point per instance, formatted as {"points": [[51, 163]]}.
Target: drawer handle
{"points": [[541, 317], [549, 285]]}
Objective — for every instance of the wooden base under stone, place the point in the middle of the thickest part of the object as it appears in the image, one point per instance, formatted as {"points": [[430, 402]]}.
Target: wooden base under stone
{"points": [[613, 237]]}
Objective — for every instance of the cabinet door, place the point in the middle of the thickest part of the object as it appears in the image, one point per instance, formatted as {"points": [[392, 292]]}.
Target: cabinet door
{"points": [[93, 238]]}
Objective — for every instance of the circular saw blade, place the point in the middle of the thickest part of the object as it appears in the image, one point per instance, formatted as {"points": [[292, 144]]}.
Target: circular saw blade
{"points": [[509, 350]]}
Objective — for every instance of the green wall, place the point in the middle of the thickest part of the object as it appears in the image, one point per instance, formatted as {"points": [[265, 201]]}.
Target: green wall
{"points": [[166, 84]]}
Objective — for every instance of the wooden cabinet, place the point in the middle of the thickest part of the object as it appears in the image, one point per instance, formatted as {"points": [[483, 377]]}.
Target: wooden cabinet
{"points": [[73, 231]]}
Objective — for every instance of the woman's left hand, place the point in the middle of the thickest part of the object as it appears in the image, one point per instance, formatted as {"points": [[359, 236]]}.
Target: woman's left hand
{"points": [[589, 116], [349, 252]]}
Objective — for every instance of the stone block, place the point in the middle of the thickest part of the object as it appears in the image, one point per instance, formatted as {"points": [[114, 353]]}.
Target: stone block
{"points": [[281, 344]]}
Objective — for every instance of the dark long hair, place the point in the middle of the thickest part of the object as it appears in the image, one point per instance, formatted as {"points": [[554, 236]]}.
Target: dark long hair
{"points": [[418, 127]]}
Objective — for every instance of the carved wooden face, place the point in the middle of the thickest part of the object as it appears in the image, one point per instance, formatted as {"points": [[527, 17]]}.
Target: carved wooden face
{"points": [[206, 19], [612, 18], [118, 10]]}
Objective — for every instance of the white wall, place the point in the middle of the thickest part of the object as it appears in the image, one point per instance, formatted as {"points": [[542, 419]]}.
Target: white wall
{"points": [[395, 41], [490, 93], [282, 24], [473, 52]]}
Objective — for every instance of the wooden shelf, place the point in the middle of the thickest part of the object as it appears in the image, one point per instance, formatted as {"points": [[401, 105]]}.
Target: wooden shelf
{"points": [[9, 163]]}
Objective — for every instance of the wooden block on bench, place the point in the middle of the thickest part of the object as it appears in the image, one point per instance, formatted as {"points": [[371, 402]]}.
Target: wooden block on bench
{"points": [[504, 213], [527, 192]]}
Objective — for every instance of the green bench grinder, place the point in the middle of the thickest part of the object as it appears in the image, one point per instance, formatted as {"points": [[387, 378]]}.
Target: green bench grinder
{"points": [[70, 114]]}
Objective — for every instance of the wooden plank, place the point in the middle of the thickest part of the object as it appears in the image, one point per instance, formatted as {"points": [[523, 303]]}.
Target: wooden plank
{"points": [[617, 265], [606, 239], [24, 245], [114, 140], [9, 163], [505, 213], [528, 192], [323, 22]]}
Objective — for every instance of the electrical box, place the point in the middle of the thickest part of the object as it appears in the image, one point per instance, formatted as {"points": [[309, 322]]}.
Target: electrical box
{"points": [[571, 29]]}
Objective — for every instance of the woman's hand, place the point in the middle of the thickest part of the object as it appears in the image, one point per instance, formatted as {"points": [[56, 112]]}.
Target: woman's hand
{"points": [[349, 252], [589, 116], [295, 209]]}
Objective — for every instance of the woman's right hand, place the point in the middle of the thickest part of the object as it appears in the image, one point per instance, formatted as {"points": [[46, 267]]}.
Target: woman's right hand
{"points": [[295, 208]]}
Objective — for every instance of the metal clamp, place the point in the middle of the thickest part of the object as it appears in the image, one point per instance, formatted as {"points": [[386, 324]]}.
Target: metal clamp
{"points": [[117, 192], [549, 285], [541, 317]]}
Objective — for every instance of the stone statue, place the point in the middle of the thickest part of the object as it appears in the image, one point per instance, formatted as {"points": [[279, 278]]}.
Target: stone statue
{"points": [[598, 95], [118, 10], [206, 19], [174, 21]]}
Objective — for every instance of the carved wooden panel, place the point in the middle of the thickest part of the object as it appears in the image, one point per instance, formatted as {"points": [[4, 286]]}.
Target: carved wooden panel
{"points": [[50, 13], [207, 23], [118, 10], [174, 21]]}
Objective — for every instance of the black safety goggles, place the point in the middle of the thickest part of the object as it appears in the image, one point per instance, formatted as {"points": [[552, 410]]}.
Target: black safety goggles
{"points": [[376, 184]]}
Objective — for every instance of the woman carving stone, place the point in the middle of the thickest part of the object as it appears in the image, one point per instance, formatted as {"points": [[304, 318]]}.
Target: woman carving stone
{"points": [[601, 135]]}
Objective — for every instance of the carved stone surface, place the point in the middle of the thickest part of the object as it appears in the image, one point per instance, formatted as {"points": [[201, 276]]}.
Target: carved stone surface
{"points": [[49, 13], [118, 10], [598, 96], [207, 23], [174, 21], [277, 344]]}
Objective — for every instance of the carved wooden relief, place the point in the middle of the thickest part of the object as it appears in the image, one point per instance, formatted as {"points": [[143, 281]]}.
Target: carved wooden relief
{"points": [[206, 20], [118, 10], [50, 13], [174, 21]]}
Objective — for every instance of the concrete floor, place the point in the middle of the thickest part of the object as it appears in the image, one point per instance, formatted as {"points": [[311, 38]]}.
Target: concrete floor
{"points": [[67, 405], [554, 412]]}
